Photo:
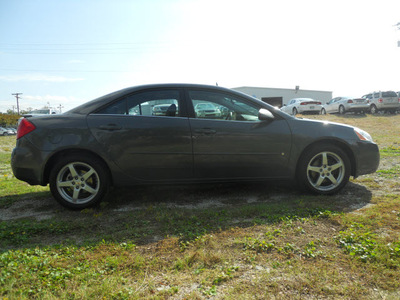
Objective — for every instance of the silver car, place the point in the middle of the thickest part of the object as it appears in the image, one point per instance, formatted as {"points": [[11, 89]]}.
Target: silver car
{"points": [[343, 105], [6, 131], [383, 101], [302, 106]]}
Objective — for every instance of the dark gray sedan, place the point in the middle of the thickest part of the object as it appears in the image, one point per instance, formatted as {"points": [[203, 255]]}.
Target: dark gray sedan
{"points": [[116, 140]]}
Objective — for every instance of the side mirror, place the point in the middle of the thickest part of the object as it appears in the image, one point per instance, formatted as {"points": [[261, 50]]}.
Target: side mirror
{"points": [[265, 115]]}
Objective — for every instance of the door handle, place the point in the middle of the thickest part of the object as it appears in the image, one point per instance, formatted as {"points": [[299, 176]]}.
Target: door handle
{"points": [[110, 127], [206, 131]]}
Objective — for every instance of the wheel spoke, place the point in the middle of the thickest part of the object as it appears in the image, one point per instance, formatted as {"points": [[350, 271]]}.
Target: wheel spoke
{"points": [[88, 174], [90, 189], [336, 166], [314, 169], [324, 158], [71, 168], [75, 196], [319, 181], [332, 179], [65, 184]]}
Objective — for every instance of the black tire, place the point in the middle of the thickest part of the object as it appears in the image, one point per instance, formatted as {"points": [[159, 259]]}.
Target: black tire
{"points": [[323, 111], [294, 111], [78, 181], [373, 109], [323, 169], [341, 110]]}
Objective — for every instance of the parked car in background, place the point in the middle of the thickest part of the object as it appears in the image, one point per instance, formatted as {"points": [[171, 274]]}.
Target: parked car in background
{"points": [[6, 131], [12, 130], [169, 110], [343, 105], [110, 141], [302, 106], [383, 101], [207, 109]]}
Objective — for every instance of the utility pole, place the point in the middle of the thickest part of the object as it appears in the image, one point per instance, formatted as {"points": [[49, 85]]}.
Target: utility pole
{"points": [[60, 107], [17, 96]]}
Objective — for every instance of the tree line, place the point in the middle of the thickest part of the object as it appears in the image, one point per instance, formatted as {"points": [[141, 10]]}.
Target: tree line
{"points": [[9, 120]]}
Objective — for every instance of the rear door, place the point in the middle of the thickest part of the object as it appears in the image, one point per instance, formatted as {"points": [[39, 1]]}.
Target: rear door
{"points": [[146, 135]]}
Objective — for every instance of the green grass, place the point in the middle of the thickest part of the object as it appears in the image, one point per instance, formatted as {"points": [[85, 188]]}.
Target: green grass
{"points": [[143, 243]]}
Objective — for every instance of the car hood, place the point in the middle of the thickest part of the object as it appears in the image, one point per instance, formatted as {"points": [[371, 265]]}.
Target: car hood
{"points": [[318, 129]]}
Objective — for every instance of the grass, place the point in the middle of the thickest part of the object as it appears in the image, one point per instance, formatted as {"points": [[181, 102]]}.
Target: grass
{"points": [[259, 240]]}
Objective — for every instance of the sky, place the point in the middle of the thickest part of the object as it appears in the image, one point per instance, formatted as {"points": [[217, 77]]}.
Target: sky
{"points": [[61, 53]]}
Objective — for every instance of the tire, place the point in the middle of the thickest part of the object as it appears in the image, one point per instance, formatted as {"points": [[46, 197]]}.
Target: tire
{"points": [[79, 182], [373, 109], [341, 110], [323, 111], [323, 169], [295, 111]]}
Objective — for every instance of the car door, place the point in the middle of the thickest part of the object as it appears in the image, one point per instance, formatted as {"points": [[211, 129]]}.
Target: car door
{"points": [[331, 106], [146, 135], [234, 143]]}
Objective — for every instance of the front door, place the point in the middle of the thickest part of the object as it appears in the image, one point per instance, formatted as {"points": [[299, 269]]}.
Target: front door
{"points": [[230, 142]]}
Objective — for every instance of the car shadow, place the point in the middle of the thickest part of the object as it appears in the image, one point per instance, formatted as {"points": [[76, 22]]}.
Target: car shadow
{"points": [[148, 214]]}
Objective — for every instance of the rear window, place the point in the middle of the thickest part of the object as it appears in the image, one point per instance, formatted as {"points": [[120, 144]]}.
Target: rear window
{"points": [[389, 94]]}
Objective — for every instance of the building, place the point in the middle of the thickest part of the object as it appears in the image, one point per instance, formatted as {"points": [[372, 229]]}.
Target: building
{"points": [[279, 97]]}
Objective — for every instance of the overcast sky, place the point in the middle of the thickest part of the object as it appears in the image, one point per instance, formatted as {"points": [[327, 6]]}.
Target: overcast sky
{"points": [[69, 52]]}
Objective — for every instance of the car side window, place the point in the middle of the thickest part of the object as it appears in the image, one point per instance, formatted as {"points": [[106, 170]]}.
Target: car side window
{"points": [[220, 106], [149, 103]]}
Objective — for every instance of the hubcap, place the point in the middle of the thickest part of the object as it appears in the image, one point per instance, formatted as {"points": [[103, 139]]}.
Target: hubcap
{"points": [[325, 171], [78, 182]]}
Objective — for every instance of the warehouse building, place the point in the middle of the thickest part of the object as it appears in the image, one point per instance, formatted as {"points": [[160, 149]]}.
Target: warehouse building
{"points": [[279, 97]]}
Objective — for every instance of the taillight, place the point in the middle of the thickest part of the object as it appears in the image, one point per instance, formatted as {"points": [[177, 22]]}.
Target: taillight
{"points": [[380, 100], [399, 100], [310, 103], [24, 127], [349, 101]]}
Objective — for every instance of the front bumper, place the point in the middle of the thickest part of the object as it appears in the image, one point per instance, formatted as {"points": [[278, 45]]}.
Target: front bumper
{"points": [[367, 158]]}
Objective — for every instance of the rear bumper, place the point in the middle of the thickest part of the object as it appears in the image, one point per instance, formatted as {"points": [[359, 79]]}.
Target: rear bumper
{"points": [[27, 165]]}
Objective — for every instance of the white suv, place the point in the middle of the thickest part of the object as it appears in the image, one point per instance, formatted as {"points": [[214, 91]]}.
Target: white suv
{"points": [[383, 101]]}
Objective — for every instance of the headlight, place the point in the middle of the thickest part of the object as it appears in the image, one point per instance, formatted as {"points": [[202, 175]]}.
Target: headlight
{"points": [[363, 135]]}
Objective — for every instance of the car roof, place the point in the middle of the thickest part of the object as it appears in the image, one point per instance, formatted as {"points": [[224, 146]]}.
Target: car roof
{"points": [[92, 105]]}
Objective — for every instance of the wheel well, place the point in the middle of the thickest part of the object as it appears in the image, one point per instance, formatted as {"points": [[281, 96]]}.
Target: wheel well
{"points": [[64, 153], [336, 143]]}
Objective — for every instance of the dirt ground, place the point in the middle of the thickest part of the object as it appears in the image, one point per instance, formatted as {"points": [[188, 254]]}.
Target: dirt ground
{"points": [[357, 194]]}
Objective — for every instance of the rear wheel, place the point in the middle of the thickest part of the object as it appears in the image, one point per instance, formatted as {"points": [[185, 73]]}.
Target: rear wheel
{"points": [[79, 182], [324, 169]]}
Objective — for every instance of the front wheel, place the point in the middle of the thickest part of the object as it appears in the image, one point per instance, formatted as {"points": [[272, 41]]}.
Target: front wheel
{"points": [[77, 182], [323, 111], [324, 169], [341, 110], [294, 112]]}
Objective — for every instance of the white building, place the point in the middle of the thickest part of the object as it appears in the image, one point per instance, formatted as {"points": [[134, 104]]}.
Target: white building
{"points": [[279, 97]]}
